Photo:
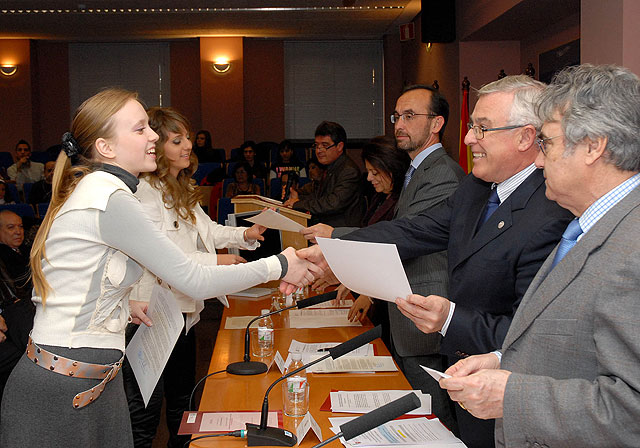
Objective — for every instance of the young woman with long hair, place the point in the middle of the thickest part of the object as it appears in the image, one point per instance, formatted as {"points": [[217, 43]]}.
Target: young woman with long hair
{"points": [[170, 198], [90, 249]]}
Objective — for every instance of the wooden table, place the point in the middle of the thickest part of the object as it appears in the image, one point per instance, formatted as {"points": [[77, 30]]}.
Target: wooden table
{"points": [[225, 392]]}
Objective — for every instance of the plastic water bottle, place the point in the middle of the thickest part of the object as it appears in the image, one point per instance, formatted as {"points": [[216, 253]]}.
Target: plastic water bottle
{"points": [[295, 391], [265, 336]]}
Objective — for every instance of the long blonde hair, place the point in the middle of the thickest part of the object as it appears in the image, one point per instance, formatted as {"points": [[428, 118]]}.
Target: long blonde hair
{"points": [[181, 192], [92, 120]]}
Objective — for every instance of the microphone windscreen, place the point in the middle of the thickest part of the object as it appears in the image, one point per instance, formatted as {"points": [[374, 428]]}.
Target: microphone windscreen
{"points": [[320, 298], [379, 416], [358, 341]]}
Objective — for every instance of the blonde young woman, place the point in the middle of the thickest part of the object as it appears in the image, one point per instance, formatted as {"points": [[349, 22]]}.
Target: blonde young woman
{"points": [[170, 198], [66, 391]]}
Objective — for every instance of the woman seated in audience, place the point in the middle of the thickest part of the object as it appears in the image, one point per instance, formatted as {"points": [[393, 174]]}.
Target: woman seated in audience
{"points": [[248, 154], [88, 253], [386, 167], [203, 149], [170, 198], [243, 181], [286, 161], [5, 194]]}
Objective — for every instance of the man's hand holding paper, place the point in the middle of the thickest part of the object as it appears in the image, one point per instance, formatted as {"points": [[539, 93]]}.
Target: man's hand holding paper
{"points": [[428, 313], [372, 269]]}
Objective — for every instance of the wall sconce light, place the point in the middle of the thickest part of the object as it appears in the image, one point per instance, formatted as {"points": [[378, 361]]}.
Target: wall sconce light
{"points": [[427, 47], [8, 69], [221, 65]]}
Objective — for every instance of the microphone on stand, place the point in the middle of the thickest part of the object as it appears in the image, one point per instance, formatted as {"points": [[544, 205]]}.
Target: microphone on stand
{"points": [[263, 435], [248, 367], [375, 418]]}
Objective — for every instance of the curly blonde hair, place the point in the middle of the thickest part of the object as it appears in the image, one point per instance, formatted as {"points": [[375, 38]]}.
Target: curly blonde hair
{"points": [[180, 193]]}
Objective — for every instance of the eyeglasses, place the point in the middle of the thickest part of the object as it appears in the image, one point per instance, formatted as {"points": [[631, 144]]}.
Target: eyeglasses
{"points": [[542, 143], [478, 131], [407, 117], [323, 146]]}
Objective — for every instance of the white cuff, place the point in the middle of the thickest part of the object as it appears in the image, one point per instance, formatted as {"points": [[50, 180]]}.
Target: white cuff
{"points": [[445, 327]]}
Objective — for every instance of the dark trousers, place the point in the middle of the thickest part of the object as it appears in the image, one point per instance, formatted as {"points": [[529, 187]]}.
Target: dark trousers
{"points": [[441, 405], [175, 385]]}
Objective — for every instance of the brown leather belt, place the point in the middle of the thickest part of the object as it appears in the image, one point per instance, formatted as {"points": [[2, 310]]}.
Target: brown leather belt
{"points": [[77, 369]]}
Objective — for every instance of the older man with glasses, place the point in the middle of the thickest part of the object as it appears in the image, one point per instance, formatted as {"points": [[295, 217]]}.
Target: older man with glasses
{"points": [[498, 228], [568, 373], [339, 200]]}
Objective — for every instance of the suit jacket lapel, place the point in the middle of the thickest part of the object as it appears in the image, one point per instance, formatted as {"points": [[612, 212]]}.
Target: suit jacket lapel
{"points": [[547, 285], [502, 218]]}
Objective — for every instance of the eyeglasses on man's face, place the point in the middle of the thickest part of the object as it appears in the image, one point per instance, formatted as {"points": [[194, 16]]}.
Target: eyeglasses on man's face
{"points": [[478, 130], [407, 117], [542, 143], [323, 146]]}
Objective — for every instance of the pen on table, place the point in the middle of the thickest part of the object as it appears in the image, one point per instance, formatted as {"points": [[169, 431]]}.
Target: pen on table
{"points": [[326, 349]]}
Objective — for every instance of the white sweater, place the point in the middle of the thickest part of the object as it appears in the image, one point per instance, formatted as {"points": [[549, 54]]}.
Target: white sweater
{"points": [[199, 241], [94, 250]]}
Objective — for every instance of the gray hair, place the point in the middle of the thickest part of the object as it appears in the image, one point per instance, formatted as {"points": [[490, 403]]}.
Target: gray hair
{"points": [[526, 91], [597, 101]]}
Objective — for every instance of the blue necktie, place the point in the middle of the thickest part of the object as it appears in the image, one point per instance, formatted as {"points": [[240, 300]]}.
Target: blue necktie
{"points": [[492, 205], [407, 177], [569, 239]]}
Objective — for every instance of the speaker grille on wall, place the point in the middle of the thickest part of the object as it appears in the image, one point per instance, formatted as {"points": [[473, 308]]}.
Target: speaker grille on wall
{"points": [[438, 21]]}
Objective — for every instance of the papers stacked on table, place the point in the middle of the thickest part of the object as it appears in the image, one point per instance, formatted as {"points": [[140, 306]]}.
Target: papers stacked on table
{"points": [[408, 432], [323, 318], [363, 401]]}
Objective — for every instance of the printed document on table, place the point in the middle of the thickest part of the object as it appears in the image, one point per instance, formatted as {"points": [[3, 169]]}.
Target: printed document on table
{"points": [[372, 269], [149, 349], [320, 318], [363, 401], [232, 421], [346, 303], [273, 220], [404, 432], [320, 347], [239, 322], [355, 364]]}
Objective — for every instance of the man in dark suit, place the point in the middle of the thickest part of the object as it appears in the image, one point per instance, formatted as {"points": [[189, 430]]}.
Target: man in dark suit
{"points": [[339, 200], [420, 117], [16, 309], [571, 358], [495, 246]]}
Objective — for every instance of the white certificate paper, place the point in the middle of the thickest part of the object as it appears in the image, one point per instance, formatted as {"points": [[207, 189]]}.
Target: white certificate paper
{"points": [[273, 220], [372, 269], [150, 347]]}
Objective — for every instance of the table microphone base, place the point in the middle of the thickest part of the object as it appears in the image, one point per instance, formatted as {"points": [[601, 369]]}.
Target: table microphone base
{"points": [[246, 368], [269, 436]]}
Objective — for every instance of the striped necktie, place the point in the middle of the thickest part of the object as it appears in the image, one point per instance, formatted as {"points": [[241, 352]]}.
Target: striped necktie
{"points": [[407, 177]]}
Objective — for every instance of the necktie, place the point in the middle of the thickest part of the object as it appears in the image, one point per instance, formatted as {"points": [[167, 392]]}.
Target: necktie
{"points": [[407, 177], [569, 239], [492, 205]]}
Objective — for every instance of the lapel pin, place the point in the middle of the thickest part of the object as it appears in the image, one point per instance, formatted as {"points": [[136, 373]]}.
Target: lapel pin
{"points": [[500, 224]]}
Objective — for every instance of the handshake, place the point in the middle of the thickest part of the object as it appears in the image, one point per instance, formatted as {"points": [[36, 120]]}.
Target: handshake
{"points": [[304, 266]]}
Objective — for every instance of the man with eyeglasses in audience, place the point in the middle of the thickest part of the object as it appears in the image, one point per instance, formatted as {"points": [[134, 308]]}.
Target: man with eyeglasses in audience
{"points": [[339, 200], [498, 228]]}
